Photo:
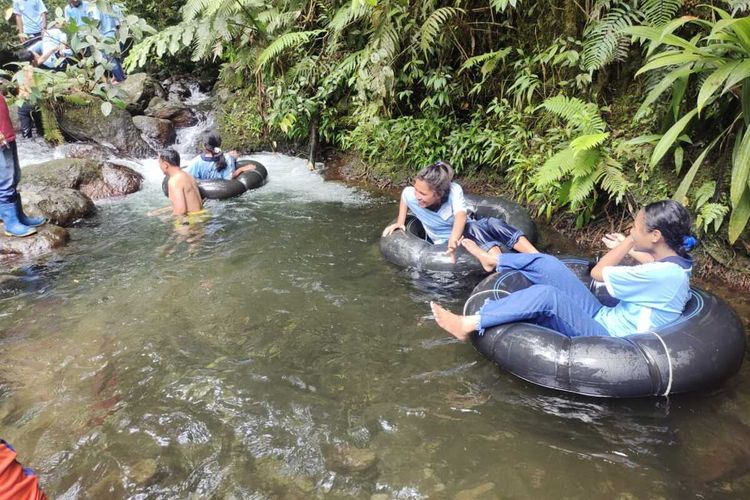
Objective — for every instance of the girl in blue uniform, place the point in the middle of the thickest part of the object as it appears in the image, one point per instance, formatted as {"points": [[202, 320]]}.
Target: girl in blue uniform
{"points": [[439, 204], [651, 294], [213, 163]]}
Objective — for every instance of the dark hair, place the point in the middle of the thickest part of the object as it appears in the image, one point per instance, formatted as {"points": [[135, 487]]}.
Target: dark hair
{"points": [[673, 220], [439, 176], [25, 55], [170, 156], [211, 141]]}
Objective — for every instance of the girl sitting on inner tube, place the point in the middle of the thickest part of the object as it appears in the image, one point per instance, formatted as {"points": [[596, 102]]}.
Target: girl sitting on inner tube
{"points": [[439, 204], [213, 163], [652, 294]]}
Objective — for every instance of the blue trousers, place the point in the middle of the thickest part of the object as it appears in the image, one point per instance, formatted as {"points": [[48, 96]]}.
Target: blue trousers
{"points": [[491, 232], [10, 173], [556, 299]]}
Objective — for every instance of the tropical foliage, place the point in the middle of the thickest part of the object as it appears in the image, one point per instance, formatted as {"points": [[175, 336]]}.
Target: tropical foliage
{"points": [[540, 93]]}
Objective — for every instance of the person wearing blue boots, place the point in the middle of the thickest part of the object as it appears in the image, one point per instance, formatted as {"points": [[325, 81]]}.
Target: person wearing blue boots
{"points": [[15, 221]]}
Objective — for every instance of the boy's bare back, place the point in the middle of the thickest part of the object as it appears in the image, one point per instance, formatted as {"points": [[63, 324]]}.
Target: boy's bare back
{"points": [[184, 194]]}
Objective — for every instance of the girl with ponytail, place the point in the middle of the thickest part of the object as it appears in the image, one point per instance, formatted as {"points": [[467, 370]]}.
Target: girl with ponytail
{"points": [[651, 294], [213, 163]]}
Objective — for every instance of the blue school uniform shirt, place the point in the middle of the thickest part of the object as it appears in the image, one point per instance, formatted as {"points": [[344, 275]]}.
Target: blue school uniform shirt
{"points": [[438, 224], [651, 295], [204, 167], [109, 21], [84, 10], [31, 14], [52, 40]]}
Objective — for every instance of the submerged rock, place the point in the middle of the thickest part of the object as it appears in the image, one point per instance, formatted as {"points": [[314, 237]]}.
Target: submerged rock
{"points": [[348, 459], [174, 111], [137, 91], [47, 238], [156, 130], [62, 206], [96, 179], [80, 118]]}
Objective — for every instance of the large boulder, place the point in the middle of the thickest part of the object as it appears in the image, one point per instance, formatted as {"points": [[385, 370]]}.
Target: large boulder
{"points": [[174, 111], [98, 180], [86, 150], [47, 238], [80, 118], [155, 130], [62, 206], [137, 91]]}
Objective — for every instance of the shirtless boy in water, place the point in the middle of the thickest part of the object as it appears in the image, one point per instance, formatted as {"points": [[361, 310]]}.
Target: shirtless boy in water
{"points": [[183, 190]]}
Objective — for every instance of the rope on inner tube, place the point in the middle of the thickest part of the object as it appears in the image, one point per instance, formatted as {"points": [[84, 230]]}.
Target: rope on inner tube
{"points": [[466, 305], [669, 362]]}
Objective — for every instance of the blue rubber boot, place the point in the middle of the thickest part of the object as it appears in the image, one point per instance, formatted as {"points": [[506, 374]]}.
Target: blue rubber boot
{"points": [[13, 227], [28, 220]]}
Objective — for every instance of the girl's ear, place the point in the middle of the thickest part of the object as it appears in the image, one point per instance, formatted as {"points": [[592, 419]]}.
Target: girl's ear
{"points": [[656, 236]]}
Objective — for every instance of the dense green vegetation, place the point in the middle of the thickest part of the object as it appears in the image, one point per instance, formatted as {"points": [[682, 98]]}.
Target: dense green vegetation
{"points": [[582, 106]]}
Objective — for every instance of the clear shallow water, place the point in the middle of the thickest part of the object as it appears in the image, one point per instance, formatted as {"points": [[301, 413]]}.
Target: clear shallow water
{"points": [[230, 361]]}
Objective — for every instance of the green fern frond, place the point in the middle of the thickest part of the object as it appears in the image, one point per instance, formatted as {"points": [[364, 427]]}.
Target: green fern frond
{"points": [[659, 12], [580, 189], [588, 141], [283, 43], [711, 213], [488, 60], [555, 168], [433, 24], [578, 114], [501, 5], [738, 6], [704, 193], [276, 21], [347, 15], [388, 42], [604, 40], [613, 181]]}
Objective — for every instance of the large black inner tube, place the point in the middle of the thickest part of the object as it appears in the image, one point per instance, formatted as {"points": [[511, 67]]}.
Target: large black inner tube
{"points": [[703, 347], [412, 248], [220, 189]]}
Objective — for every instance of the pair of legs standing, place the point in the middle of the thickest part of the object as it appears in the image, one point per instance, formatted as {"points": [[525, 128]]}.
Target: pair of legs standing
{"points": [[556, 299], [16, 222]]}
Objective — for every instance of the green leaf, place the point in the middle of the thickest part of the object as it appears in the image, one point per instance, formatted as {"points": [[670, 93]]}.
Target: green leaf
{"points": [[668, 60], [670, 137], [679, 155], [681, 193], [741, 72], [740, 215], [713, 82], [588, 141], [740, 169]]}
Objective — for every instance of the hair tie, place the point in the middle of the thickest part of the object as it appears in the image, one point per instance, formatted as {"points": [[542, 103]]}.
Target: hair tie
{"points": [[217, 151], [689, 242]]}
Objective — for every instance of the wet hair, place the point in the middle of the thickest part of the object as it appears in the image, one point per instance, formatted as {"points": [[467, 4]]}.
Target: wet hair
{"points": [[212, 143], [438, 176], [170, 156], [673, 220]]}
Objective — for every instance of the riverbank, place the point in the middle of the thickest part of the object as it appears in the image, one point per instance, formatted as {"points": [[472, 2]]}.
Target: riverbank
{"points": [[716, 262]]}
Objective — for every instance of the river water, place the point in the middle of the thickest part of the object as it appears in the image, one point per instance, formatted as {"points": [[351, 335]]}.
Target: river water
{"points": [[244, 357]]}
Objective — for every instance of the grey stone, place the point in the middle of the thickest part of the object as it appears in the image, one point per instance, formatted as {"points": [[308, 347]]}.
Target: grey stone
{"points": [[137, 91], [348, 459], [174, 111], [47, 238], [62, 206], [155, 130]]}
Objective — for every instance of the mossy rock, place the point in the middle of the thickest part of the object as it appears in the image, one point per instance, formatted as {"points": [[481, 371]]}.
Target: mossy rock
{"points": [[80, 118]]}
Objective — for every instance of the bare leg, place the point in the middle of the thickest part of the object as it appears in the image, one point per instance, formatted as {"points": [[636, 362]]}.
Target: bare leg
{"points": [[460, 327], [523, 245], [488, 260]]}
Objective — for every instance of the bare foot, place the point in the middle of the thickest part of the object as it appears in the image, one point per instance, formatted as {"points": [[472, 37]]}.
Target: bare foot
{"points": [[460, 327], [488, 260]]}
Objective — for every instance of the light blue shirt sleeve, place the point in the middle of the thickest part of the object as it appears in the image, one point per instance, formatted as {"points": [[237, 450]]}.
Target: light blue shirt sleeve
{"points": [[645, 284], [192, 168]]}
